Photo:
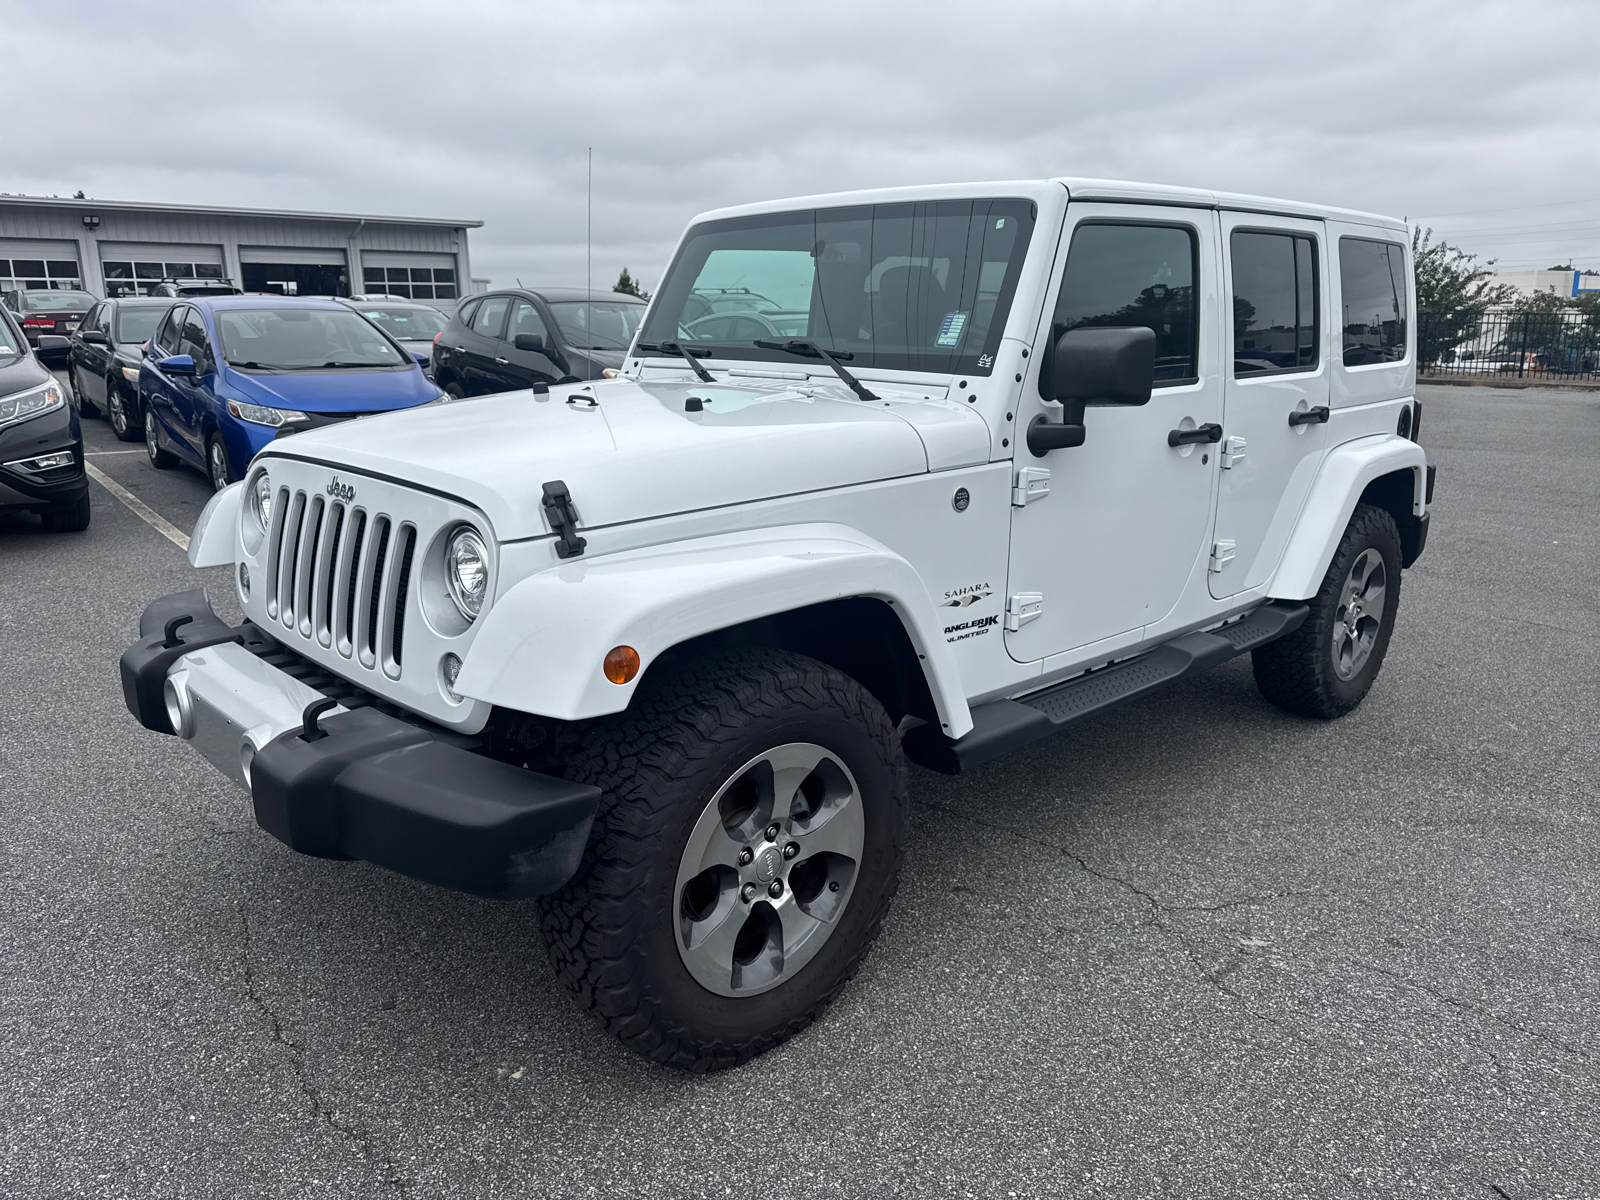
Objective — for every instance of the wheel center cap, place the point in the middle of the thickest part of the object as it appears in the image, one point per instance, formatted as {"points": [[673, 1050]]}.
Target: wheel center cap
{"points": [[767, 864]]}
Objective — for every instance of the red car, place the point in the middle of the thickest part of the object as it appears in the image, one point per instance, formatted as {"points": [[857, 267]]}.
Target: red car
{"points": [[50, 312]]}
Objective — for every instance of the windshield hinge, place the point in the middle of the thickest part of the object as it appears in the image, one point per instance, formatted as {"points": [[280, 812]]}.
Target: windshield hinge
{"points": [[563, 518]]}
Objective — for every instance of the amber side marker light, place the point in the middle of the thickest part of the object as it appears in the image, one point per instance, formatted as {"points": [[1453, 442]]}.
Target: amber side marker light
{"points": [[621, 664]]}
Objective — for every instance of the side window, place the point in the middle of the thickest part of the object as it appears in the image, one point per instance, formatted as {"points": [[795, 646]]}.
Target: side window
{"points": [[490, 318], [192, 341], [1122, 275], [167, 336], [91, 319], [1372, 301], [525, 319], [466, 312], [1274, 303]]}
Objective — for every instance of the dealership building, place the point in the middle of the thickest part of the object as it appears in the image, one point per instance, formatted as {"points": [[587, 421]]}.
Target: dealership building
{"points": [[120, 247]]}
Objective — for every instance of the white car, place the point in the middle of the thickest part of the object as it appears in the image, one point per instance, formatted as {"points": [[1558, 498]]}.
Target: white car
{"points": [[658, 649]]}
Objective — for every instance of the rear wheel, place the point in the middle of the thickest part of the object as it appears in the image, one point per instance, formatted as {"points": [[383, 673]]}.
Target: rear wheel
{"points": [[159, 458], [454, 389], [748, 844], [122, 413], [1325, 668], [217, 463]]}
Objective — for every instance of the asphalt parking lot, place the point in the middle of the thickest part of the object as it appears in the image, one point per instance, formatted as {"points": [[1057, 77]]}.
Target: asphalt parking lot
{"points": [[1195, 948]]}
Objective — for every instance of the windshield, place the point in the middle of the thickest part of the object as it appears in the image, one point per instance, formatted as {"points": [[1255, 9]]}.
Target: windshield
{"points": [[138, 324], [9, 346], [615, 323], [58, 301], [920, 287], [301, 339], [407, 324]]}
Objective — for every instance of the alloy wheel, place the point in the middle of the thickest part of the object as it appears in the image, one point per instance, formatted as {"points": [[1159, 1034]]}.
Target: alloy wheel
{"points": [[768, 869], [1359, 616], [217, 457], [116, 411], [152, 442]]}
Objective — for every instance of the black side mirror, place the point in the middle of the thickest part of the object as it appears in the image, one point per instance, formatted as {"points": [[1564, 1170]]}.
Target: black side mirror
{"points": [[95, 336], [51, 343], [1093, 366], [528, 341]]}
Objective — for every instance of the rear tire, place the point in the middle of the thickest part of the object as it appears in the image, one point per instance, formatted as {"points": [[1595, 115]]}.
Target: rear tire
{"points": [[703, 966], [71, 518], [1325, 668], [160, 459], [454, 389]]}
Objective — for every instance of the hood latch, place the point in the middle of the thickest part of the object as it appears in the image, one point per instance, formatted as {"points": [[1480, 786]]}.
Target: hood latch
{"points": [[563, 518]]}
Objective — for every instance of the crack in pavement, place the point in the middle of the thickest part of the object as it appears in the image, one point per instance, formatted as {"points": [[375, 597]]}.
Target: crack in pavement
{"points": [[1211, 975], [363, 1140]]}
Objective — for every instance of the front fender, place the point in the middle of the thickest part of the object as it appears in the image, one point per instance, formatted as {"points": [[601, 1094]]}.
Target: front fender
{"points": [[214, 542], [542, 644], [1344, 475]]}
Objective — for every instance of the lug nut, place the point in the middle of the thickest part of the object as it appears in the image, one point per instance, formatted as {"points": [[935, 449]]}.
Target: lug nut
{"points": [[775, 888], [773, 831], [745, 856], [792, 849], [747, 893], [833, 887]]}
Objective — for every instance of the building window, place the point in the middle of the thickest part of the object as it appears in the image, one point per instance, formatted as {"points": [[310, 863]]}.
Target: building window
{"points": [[414, 283], [140, 278], [34, 274]]}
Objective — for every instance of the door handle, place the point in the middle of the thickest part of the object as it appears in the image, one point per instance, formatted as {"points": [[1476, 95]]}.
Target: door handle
{"points": [[503, 361], [460, 349], [1311, 416], [1210, 432]]}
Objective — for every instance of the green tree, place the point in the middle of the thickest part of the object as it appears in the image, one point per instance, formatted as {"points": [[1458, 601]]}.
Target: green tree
{"points": [[629, 286], [1453, 293]]}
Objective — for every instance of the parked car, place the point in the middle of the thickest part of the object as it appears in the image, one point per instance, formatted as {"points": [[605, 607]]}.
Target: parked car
{"points": [[48, 312], [221, 378], [196, 287], [104, 355], [41, 442], [699, 617], [507, 340], [414, 326]]}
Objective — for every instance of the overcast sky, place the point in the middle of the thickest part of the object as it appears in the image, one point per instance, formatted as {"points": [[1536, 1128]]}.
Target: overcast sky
{"points": [[1479, 119]]}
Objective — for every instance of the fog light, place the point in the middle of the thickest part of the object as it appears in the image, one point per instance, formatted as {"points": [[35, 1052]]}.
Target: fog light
{"points": [[45, 462], [449, 668], [244, 581], [621, 664]]}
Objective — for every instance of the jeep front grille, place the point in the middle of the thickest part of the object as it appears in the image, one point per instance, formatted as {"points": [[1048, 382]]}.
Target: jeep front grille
{"points": [[339, 576]]}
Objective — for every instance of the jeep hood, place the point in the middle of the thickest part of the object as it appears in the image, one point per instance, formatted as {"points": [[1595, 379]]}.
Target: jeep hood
{"points": [[630, 450]]}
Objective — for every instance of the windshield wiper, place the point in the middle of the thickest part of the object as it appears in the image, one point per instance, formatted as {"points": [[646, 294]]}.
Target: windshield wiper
{"points": [[352, 364], [252, 365], [812, 350], [679, 350]]}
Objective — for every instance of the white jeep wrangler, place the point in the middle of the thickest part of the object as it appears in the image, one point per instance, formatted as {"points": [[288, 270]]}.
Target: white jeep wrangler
{"points": [[918, 474]]}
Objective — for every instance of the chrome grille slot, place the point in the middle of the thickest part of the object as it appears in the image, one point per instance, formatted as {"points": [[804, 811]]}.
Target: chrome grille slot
{"points": [[345, 585], [280, 508], [305, 565], [289, 557], [397, 639], [390, 616], [327, 572], [368, 589]]}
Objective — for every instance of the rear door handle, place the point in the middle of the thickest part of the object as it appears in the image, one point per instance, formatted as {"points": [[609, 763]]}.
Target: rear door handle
{"points": [[1210, 432], [1311, 416], [503, 361]]}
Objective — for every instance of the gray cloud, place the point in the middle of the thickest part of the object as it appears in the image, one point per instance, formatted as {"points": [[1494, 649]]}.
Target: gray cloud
{"points": [[483, 109]]}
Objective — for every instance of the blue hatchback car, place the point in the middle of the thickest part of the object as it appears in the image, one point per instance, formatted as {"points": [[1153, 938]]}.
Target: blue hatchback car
{"points": [[224, 376]]}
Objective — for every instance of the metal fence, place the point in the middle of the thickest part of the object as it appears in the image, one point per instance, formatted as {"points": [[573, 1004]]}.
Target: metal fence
{"points": [[1510, 345]]}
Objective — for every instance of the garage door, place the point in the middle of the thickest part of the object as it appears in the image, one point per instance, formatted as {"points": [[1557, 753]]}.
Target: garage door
{"points": [[134, 268], [38, 264], [294, 270], [415, 276]]}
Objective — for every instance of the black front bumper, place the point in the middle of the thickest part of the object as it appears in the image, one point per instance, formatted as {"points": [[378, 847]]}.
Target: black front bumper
{"points": [[368, 785], [60, 487]]}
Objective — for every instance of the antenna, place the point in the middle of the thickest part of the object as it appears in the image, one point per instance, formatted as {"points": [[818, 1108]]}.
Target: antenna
{"points": [[588, 258]]}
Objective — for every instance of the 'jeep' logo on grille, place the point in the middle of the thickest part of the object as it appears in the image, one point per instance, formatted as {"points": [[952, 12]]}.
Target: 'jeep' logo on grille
{"points": [[341, 491]]}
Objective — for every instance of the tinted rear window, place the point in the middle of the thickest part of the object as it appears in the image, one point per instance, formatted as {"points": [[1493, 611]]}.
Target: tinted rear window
{"points": [[59, 301], [1373, 295]]}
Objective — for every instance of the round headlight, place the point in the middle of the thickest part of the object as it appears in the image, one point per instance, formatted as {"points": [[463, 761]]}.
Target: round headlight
{"points": [[261, 500], [466, 571]]}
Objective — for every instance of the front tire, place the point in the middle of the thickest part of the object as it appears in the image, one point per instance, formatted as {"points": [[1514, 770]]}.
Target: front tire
{"points": [[86, 407], [217, 468], [1325, 668], [71, 518], [121, 413], [693, 931]]}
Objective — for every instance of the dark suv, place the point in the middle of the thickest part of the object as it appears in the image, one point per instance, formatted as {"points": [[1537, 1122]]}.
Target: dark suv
{"points": [[47, 312], [508, 340], [41, 443], [103, 358]]}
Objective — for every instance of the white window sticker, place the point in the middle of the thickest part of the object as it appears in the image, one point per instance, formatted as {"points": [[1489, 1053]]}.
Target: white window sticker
{"points": [[950, 330]]}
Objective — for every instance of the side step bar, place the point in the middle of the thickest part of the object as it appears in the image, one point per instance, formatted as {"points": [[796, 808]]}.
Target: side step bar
{"points": [[1003, 725]]}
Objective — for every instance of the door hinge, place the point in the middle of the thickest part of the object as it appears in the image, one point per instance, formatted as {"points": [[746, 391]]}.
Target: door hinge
{"points": [[1033, 483], [1232, 453], [1023, 607], [1222, 555]]}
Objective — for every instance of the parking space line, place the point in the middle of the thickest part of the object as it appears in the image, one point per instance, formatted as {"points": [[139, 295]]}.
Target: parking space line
{"points": [[139, 508], [103, 453]]}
